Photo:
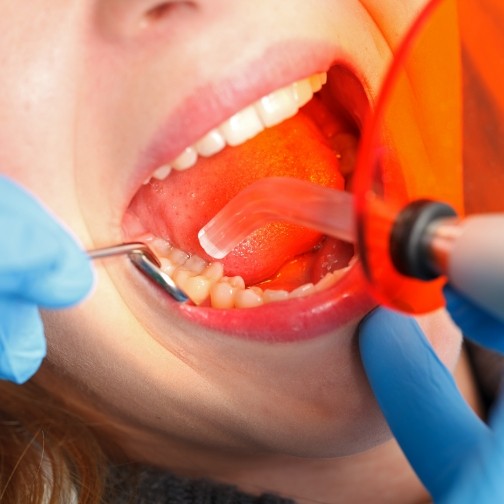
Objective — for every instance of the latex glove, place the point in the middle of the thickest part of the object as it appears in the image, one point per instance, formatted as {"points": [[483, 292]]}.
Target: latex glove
{"points": [[40, 265], [459, 459]]}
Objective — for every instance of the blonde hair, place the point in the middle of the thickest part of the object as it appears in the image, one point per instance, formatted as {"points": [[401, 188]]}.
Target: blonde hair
{"points": [[47, 455]]}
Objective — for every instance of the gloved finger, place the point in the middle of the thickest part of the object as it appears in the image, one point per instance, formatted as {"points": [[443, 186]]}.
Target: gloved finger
{"points": [[39, 260], [22, 342], [476, 324], [434, 426]]}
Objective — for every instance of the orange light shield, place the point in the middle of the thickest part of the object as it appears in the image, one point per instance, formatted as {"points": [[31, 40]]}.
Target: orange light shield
{"points": [[429, 137]]}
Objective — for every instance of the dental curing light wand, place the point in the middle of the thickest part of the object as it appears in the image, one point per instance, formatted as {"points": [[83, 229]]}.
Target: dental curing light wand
{"points": [[427, 239], [146, 261]]}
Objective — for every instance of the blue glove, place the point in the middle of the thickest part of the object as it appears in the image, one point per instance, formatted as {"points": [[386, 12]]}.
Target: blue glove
{"points": [[40, 265], [459, 458]]}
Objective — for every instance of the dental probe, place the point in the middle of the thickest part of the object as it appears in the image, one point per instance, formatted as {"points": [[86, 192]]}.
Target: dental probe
{"points": [[427, 239], [146, 261]]}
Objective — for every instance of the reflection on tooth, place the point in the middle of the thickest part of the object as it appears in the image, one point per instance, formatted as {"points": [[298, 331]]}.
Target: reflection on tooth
{"points": [[302, 92], [241, 127], [185, 160], [276, 107], [210, 144], [301, 291], [162, 172], [247, 298], [270, 295]]}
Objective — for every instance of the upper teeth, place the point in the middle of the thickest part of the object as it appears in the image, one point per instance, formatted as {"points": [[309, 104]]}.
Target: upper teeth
{"points": [[268, 111]]}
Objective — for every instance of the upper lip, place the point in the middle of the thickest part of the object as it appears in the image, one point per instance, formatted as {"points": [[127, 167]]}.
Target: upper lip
{"points": [[207, 105]]}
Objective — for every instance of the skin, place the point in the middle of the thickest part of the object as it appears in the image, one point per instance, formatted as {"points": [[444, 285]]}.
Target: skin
{"points": [[86, 88]]}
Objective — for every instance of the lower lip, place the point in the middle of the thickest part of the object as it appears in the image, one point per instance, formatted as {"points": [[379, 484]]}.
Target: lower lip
{"points": [[294, 320]]}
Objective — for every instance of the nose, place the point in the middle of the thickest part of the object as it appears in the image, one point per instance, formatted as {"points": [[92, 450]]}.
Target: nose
{"points": [[126, 19]]}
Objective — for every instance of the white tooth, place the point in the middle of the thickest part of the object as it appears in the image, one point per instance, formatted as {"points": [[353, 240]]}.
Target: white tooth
{"points": [[236, 281], [276, 107], [247, 298], [301, 291], [197, 288], [302, 92], [210, 144], [181, 276], [214, 271], [185, 160], [162, 172], [271, 295], [241, 127], [317, 81], [222, 295], [327, 281]]}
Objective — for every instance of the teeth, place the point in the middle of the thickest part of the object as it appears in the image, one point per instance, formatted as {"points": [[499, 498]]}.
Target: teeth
{"points": [[266, 112], [185, 160], [206, 283]]}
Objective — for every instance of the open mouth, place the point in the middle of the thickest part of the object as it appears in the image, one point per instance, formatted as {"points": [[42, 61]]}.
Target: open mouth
{"points": [[309, 130]]}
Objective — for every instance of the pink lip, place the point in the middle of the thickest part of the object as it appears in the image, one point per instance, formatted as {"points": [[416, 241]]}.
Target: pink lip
{"points": [[208, 105], [293, 320]]}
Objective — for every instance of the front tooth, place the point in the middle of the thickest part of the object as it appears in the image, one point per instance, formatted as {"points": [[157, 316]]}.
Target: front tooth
{"points": [[276, 107], [185, 160], [162, 172], [317, 81], [210, 144], [241, 127], [302, 92]]}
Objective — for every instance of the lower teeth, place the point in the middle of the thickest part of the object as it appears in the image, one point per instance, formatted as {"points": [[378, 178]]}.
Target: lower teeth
{"points": [[206, 284]]}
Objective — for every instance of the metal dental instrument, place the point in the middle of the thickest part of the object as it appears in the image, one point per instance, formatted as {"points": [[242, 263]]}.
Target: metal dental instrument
{"points": [[146, 261]]}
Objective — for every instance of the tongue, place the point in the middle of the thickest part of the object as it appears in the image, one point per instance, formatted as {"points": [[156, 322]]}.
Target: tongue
{"points": [[178, 207]]}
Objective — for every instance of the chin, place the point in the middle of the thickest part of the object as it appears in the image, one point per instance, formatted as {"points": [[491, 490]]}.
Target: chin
{"points": [[264, 357]]}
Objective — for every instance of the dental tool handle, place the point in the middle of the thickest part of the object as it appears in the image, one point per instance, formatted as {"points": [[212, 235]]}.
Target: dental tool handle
{"points": [[428, 240], [471, 254]]}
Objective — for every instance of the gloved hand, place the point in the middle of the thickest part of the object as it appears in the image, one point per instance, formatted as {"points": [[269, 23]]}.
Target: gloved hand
{"points": [[40, 265], [459, 458]]}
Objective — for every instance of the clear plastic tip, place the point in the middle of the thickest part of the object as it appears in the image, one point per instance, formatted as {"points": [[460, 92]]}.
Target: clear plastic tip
{"points": [[285, 199]]}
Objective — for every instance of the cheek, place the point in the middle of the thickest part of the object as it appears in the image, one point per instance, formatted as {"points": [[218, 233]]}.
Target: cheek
{"points": [[444, 336]]}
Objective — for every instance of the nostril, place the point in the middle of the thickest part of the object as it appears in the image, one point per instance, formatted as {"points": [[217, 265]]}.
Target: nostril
{"points": [[120, 19], [165, 9]]}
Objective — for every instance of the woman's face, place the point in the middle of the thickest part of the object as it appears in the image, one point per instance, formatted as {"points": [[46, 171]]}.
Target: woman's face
{"points": [[96, 95]]}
